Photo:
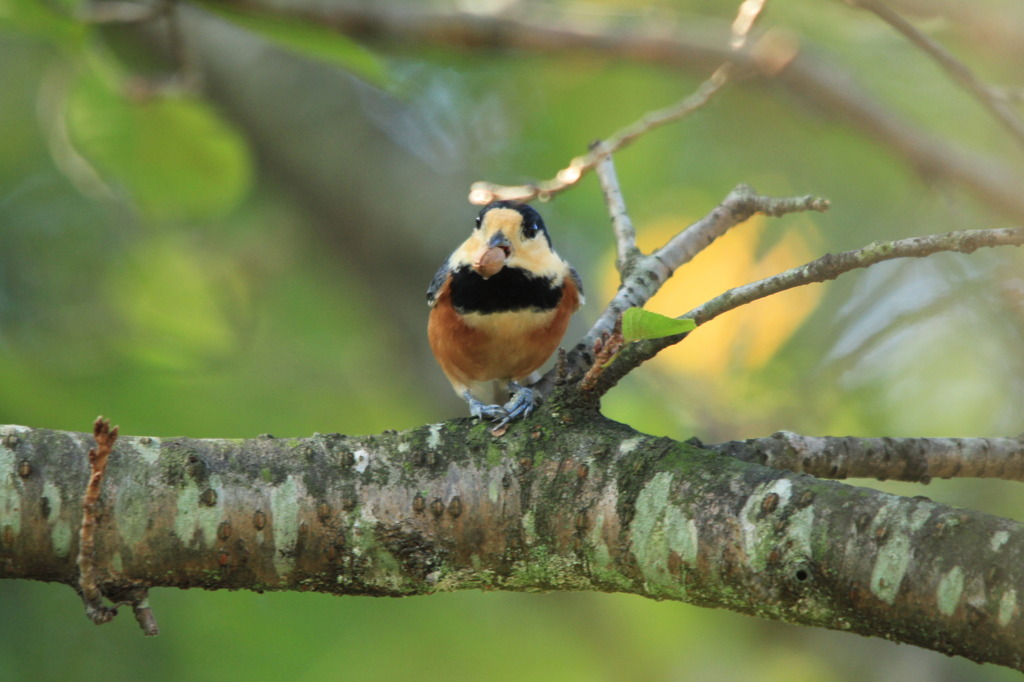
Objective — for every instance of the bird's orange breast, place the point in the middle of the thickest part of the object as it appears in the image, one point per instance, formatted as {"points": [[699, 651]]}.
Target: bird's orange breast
{"points": [[507, 345]]}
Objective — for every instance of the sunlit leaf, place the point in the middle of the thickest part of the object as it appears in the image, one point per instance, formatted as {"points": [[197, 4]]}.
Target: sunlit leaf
{"points": [[308, 39], [172, 154], [638, 323]]}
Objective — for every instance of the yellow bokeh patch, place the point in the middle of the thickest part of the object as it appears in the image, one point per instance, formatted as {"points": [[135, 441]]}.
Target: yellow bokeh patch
{"points": [[742, 339]]}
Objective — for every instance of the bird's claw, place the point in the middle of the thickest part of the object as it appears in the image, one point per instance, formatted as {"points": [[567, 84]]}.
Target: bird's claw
{"points": [[482, 410], [521, 404]]}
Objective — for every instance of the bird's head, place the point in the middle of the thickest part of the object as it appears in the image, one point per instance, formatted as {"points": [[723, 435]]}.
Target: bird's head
{"points": [[509, 234]]}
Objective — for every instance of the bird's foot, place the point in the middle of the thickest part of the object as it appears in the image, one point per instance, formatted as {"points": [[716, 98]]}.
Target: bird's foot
{"points": [[482, 410], [520, 405], [522, 402]]}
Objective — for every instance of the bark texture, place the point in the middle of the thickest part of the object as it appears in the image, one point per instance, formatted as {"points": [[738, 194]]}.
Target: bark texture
{"points": [[918, 460], [567, 501]]}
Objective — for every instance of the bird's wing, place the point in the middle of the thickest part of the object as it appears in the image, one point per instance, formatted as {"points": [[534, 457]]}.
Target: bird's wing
{"points": [[575, 276], [435, 284]]}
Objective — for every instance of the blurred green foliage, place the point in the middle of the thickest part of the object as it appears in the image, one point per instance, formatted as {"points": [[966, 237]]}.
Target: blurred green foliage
{"points": [[310, 40], [253, 259], [203, 169]]}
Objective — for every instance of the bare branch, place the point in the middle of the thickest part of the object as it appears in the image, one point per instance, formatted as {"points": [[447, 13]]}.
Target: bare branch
{"points": [[484, 192], [1011, 95], [746, 17], [822, 269], [622, 226], [831, 266], [139, 602], [650, 272], [605, 350], [565, 502], [917, 460], [991, 98], [830, 91], [741, 203], [601, 152]]}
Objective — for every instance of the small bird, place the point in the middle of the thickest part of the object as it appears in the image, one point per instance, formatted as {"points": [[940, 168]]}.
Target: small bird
{"points": [[500, 305]]}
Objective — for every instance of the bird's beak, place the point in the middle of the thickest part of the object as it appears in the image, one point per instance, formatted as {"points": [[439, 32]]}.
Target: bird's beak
{"points": [[489, 260]]}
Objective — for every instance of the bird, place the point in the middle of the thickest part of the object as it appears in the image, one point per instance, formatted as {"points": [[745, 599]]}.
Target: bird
{"points": [[500, 305]]}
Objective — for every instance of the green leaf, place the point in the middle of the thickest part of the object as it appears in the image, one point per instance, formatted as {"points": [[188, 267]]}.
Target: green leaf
{"points": [[173, 155], [306, 38], [638, 323]]}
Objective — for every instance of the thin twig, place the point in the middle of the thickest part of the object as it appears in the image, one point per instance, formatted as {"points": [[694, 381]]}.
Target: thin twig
{"points": [[748, 14], [137, 596], [605, 350], [1007, 94], [622, 225], [737, 207], [991, 98], [484, 192], [144, 614], [650, 272], [829, 91], [105, 438], [831, 266], [673, 255], [822, 269]]}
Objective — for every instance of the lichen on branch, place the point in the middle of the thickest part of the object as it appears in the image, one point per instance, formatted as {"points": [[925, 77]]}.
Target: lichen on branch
{"points": [[566, 501]]}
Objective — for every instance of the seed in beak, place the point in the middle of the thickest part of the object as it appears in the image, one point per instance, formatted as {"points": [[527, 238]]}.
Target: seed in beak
{"points": [[489, 262]]}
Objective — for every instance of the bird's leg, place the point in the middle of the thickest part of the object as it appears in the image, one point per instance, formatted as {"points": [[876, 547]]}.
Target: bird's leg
{"points": [[522, 402], [482, 410]]}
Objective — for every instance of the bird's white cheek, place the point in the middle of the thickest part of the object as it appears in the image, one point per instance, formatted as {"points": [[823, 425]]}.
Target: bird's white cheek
{"points": [[539, 262]]}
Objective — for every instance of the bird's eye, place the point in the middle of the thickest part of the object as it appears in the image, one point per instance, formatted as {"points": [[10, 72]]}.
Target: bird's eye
{"points": [[479, 220], [530, 230]]}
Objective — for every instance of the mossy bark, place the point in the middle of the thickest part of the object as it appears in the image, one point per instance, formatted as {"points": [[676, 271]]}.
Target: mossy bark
{"points": [[566, 501]]}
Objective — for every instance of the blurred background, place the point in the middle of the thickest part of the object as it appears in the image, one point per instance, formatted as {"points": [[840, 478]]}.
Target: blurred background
{"points": [[219, 223]]}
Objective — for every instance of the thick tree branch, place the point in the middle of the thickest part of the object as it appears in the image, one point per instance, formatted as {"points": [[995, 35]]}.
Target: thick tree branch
{"points": [[916, 460], [447, 507]]}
